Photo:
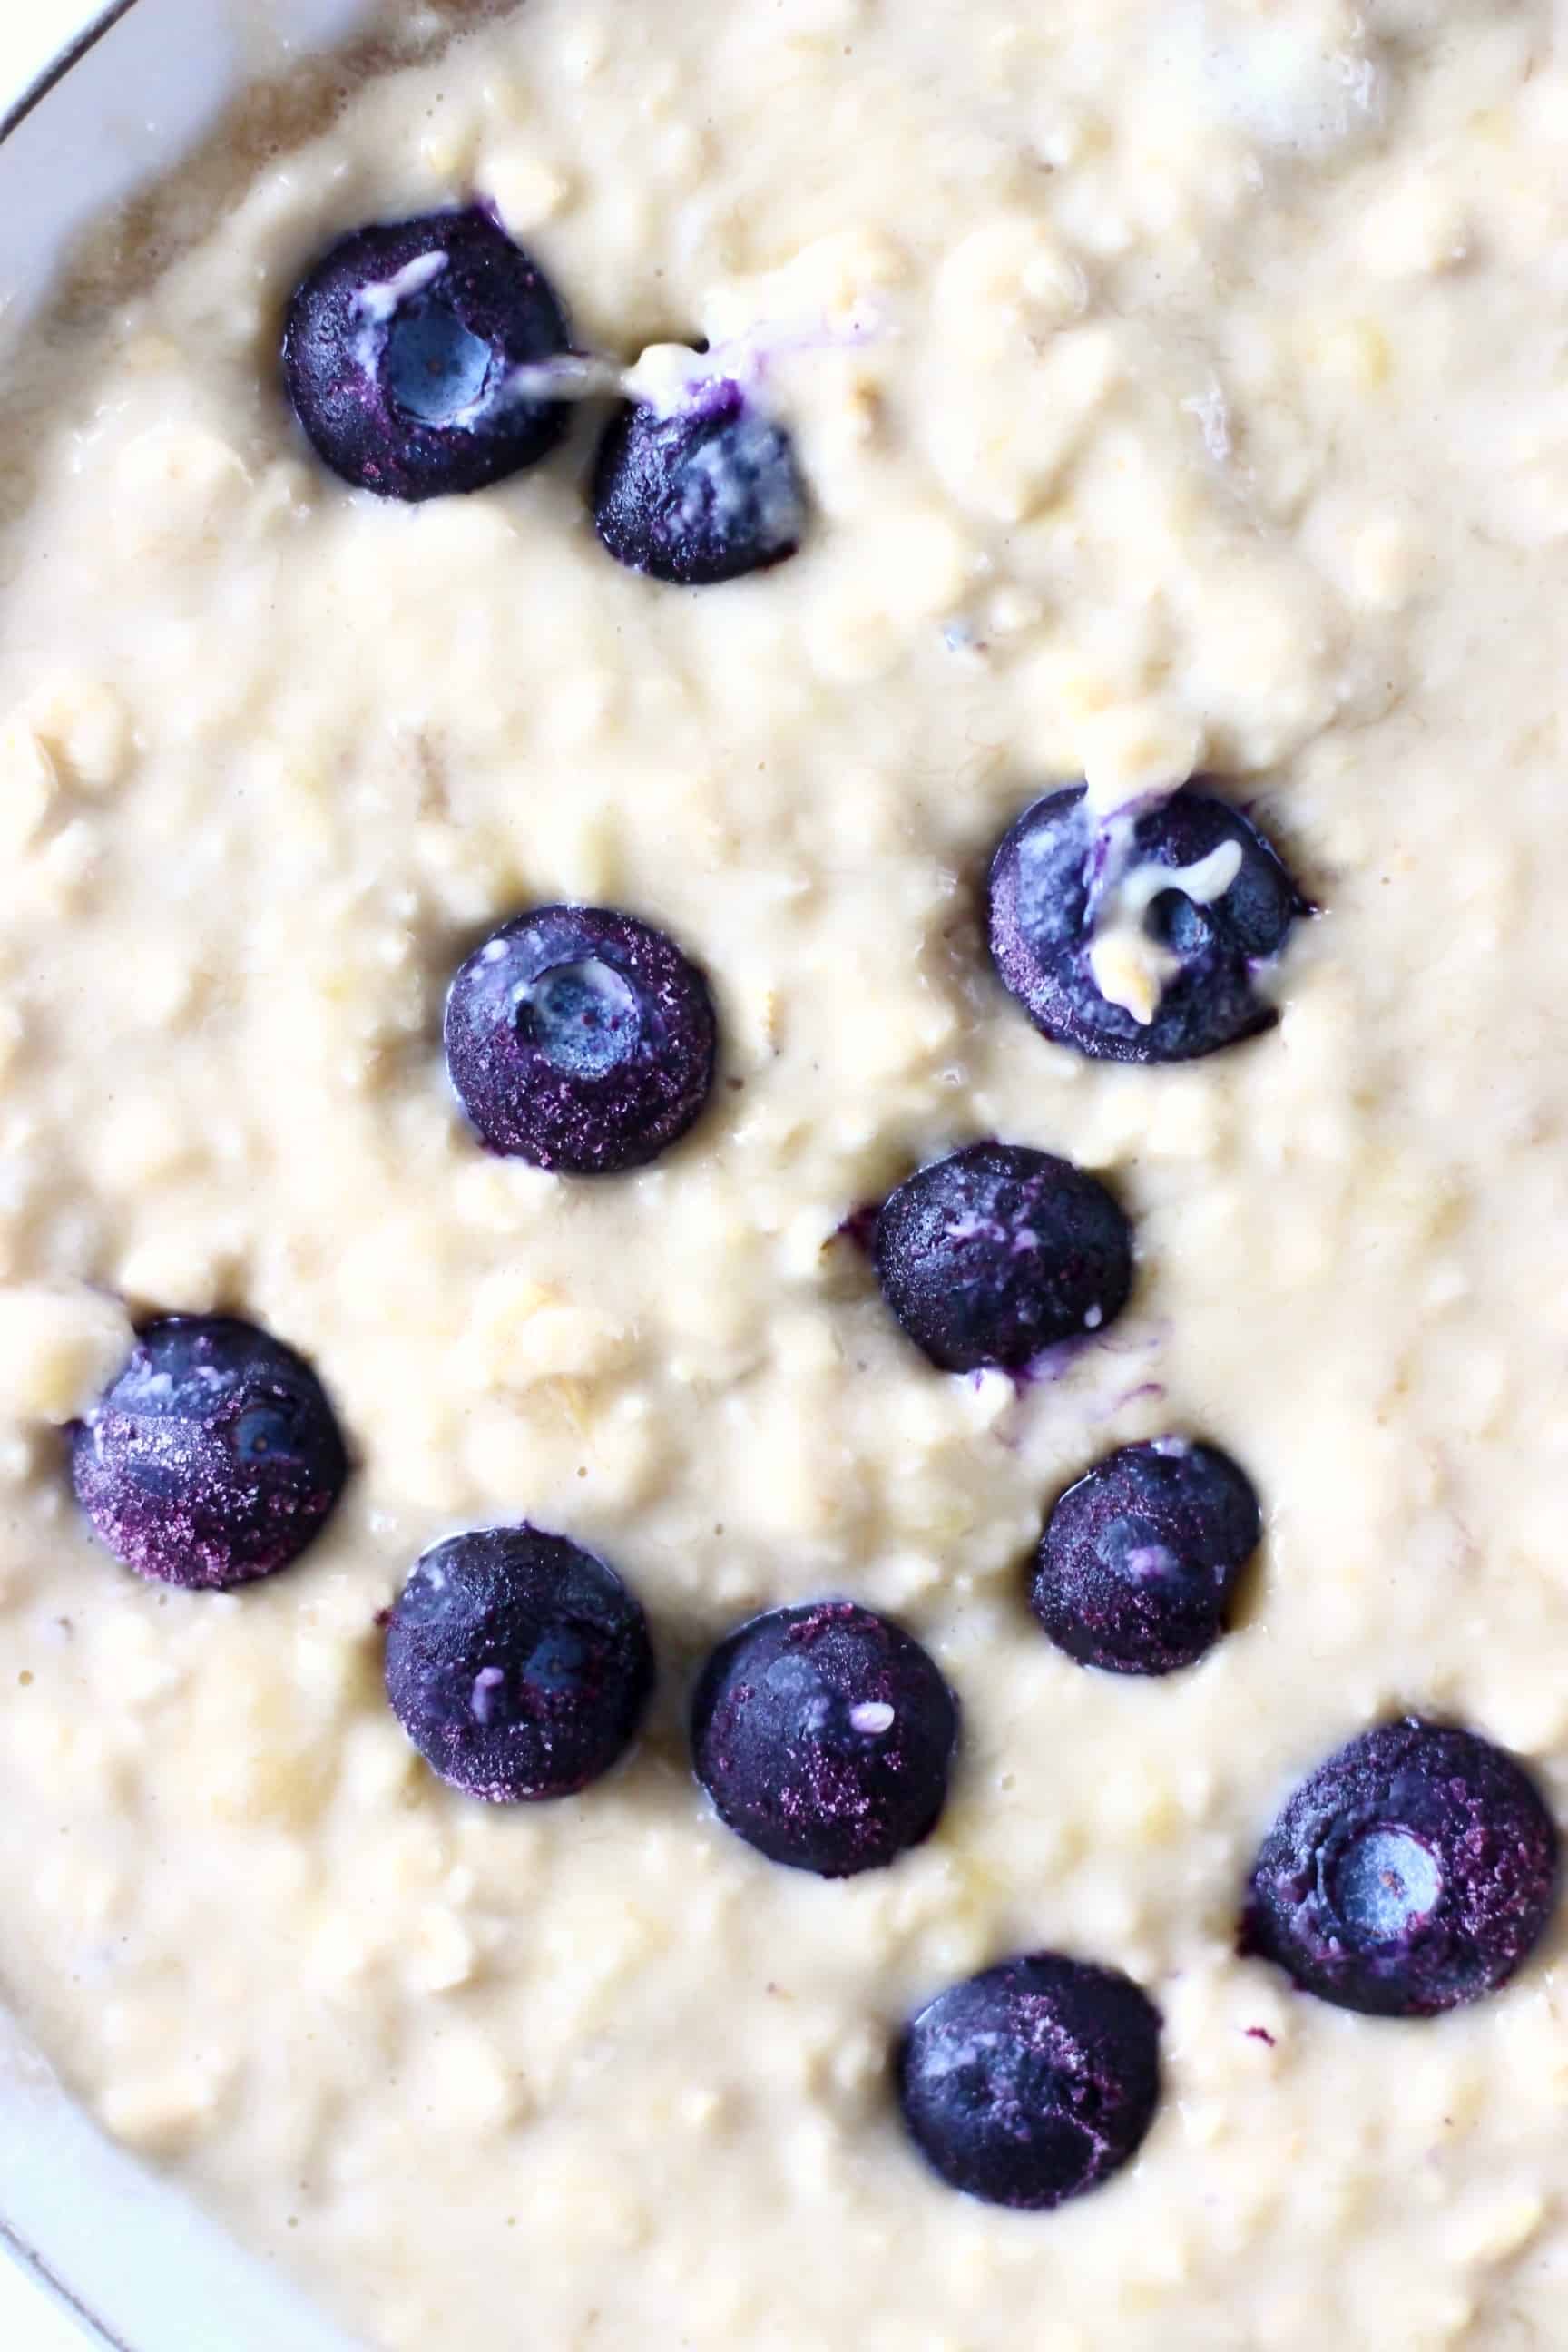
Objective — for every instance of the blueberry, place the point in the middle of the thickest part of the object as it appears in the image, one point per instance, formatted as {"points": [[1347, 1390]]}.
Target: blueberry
{"points": [[1414, 1871], [991, 1255], [1056, 883], [705, 492], [213, 1458], [580, 1040], [517, 1663], [823, 1736], [1140, 1558], [1032, 2082], [401, 352]]}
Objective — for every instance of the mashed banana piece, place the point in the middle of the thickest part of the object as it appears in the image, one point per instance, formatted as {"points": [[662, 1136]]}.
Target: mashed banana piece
{"points": [[1179, 386]]}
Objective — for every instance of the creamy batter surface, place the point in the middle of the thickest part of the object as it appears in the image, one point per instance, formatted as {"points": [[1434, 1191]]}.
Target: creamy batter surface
{"points": [[1180, 387]]}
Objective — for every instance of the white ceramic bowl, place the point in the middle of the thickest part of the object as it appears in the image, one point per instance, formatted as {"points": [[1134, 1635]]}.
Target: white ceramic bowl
{"points": [[131, 2259]]}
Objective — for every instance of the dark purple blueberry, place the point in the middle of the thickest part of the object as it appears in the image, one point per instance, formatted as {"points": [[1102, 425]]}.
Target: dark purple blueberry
{"points": [[997, 1253], [823, 1736], [213, 1458], [1140, 1558], [1032, 2082], [580, 1040], [702, 493], [1414, 1871], [517, 1663], [401, 351], [1058, 877]]}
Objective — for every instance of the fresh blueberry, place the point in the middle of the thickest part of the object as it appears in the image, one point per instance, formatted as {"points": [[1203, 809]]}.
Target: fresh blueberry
{"points": [[997, 1253], [580, 1040], [1140, 1558], [401, 351], [1060, 886], [517, 1663], [213, 1458], [1032, 2082], [1414, 1871], [823, 1736], [704, 492]]}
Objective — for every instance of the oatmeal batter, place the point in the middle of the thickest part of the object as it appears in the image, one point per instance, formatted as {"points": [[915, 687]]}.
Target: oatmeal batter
{"points": [[1180, 388]]}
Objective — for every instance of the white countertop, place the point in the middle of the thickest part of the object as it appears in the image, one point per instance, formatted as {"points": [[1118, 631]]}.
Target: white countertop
{"points": [[28, 2323], [31, 31]]}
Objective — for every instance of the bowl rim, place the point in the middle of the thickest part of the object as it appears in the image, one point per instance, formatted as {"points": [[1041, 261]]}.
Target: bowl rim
{"points": [[21, 2244]]}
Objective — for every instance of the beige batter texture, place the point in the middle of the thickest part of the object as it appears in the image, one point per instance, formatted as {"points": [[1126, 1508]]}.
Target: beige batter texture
{"points": [[1180, 387]]}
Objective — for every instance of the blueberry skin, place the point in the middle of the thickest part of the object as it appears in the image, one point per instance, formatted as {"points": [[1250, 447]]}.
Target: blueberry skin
{"points": [[705, 493], [1046, 879], [399, 375], [580, 1040], [1033, 2081], [213, 1458], [517, 1664], [1140, 1556], [999, 1251], [825, 1735], [1414, 1871]]}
